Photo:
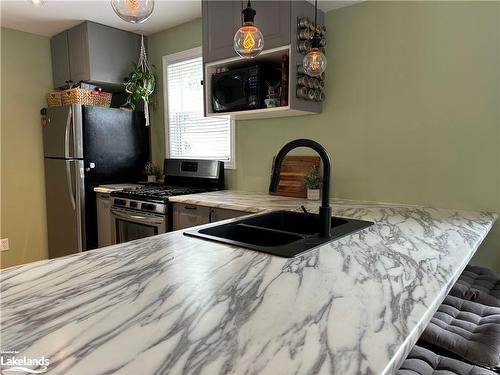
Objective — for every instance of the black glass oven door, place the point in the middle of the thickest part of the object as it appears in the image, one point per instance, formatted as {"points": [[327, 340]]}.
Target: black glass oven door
{"points": [[129, 230], [128, 225]]}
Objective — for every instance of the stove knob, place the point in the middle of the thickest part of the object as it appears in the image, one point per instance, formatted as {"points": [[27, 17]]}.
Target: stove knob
{"points": [[120, 202], [148, 206]]}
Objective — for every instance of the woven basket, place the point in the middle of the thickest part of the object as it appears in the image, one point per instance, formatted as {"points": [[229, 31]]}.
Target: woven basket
{"points": [[80, 96], [101, 98], [54, 99], [75, 96]]}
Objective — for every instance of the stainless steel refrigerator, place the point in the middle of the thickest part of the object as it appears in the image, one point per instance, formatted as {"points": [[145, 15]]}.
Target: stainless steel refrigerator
{"points": [[86, 146]]}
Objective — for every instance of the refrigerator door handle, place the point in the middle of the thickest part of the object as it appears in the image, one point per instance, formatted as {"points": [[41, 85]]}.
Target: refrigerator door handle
{"points": [[69, 179], [66, 134], [79, 198]]}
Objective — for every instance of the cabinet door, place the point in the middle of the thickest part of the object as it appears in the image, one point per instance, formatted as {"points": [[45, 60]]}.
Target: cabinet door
{"points": [[111, 52], [78, 53], [188, 215], [221, 20], [104, 220], [60, 59], [218, 214], [273, 20]]}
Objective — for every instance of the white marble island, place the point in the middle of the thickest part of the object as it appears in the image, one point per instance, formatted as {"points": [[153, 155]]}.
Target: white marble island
{"points": [[172, 304]]}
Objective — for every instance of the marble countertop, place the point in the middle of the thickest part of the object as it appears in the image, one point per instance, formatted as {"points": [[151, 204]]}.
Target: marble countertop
{"points": [[172, 304], [245, 201], [253, 202]]}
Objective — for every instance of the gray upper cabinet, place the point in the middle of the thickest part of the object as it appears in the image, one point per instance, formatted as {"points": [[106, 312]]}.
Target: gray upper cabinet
{"points": [[273, 20], [93, 53], [111, 52], [78, 53], [278, 22], [221, 20], [60, 59]]}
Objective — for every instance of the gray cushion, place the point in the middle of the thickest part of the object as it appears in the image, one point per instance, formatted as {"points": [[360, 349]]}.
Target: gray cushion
{"points": [[478, 284], [421, 361], [467, 329]]}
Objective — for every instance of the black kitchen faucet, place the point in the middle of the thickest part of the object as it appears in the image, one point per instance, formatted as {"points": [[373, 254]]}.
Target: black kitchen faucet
{"points": [[325, 211]]}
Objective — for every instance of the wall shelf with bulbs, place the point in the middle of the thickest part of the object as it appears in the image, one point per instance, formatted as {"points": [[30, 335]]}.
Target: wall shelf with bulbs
{"points": [[279, 23]]}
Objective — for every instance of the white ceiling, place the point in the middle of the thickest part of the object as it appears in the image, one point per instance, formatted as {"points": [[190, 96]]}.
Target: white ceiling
{"points": [[54, 16]]}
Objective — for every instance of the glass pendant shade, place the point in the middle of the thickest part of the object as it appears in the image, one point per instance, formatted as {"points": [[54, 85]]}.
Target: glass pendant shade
{"points": [[248, 41], [314, 63], [133, 11]]}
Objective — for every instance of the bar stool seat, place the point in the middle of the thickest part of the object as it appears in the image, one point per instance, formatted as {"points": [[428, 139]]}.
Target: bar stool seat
{"points": [[422, 361], [468, 329], [478, 284]]}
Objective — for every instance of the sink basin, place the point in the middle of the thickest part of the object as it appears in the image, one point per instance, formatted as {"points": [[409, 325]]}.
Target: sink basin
{"points": [[288, 221], [250, 234], [281, 233]]}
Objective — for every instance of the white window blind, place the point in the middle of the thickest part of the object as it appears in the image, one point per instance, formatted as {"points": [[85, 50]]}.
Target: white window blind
{"points": [[190, 134]]}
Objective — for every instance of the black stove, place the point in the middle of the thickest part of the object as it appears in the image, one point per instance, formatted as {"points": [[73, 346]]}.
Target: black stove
{"points": [[182, 177], [146, 211], [156, 193]]}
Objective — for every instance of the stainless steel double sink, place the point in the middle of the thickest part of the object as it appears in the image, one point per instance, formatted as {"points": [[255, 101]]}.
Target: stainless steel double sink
{"points": [[283, 233]]}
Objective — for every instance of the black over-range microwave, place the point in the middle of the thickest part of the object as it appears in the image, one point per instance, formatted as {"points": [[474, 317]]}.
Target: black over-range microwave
{"points": [[241, 89]]}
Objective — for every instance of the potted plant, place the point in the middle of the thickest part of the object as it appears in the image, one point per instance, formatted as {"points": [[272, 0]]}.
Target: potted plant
{"points": [[140, 83], [139, 86], [312, 182], [152, 171]]}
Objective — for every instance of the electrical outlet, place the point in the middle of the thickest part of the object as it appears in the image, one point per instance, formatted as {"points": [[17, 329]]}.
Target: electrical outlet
{"points": [[4, 244]]}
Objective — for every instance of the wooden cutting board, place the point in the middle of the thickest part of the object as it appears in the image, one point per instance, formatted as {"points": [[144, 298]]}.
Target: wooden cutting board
{"points": [[293, 170]]}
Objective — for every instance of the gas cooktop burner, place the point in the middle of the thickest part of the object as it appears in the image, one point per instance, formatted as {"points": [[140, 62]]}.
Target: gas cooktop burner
{"points": [[156, 192]]}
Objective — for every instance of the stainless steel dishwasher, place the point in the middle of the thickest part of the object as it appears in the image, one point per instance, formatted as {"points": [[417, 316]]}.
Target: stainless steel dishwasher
{"points": [[104, 235]]}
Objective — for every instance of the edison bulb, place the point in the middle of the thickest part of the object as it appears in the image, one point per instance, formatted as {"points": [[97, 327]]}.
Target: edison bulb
{"points": [[248, 41], [133, 11], [314, 63]]}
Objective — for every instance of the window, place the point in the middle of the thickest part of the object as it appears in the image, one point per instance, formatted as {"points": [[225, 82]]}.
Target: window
{"points": [[188, 133]]}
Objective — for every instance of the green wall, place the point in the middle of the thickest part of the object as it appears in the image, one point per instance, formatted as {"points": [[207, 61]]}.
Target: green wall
{"points": [[26, 76], [412, 111], [170, 41]]}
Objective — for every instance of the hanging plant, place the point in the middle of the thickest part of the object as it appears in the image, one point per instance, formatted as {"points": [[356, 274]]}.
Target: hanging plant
{"points": [[140, 83]]}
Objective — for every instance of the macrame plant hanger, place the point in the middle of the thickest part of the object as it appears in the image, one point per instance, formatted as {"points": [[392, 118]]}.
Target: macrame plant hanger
{"points": [[144, 65]]}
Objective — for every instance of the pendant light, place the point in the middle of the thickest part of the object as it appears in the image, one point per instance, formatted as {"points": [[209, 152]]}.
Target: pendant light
{"points": [[248, 41], [133, 11], [315, 61]]}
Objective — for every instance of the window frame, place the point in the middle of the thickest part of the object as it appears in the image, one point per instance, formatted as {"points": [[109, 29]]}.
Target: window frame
{"points": [[191, 53]]}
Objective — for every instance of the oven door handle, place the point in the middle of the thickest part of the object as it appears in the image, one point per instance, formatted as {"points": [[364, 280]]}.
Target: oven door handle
{"points": [[143, 219]]}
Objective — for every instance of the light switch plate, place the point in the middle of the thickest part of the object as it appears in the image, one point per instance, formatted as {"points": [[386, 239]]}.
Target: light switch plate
{"points": [[4, 244]]}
